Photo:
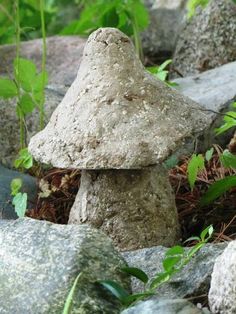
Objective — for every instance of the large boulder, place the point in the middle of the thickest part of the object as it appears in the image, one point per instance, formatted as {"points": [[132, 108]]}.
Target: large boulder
{"points": [[222, 294], [39, 262], [29, 186], [192, 280], [166, 19], [63, 57], [208, 40], [164, 306]]}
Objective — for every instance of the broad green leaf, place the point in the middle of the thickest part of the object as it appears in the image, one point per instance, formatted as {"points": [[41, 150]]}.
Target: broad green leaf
{"points": [[69, 300], [116, 289], [159, 279], [171, 162], [26, 104], [8, 88], [209, 154], [16, 185], [217, 189], [228, 160], [20, 203], [170, 262], [141, 14], [40, 81], [192, 239], [136, 272], [194, 166], [162, 75], [175, 250], [24, 160], [25, 71]]}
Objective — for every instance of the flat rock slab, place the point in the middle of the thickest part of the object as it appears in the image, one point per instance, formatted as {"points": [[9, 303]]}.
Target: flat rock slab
{"points": [[215, 90], [63, 57], [193, 280], [39, 262], [29, 186], [164, 306]]}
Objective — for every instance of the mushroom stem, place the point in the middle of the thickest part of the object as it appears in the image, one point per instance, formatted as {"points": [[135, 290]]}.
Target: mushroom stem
{"points": [[136, 208]]}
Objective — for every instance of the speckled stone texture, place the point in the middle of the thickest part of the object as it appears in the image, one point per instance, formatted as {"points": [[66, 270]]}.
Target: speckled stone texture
{"points": [[63, 57], [164, 306], [136, 208], [193, 280], [39, 262], [208, 40], [115, 114], [222, 294]]}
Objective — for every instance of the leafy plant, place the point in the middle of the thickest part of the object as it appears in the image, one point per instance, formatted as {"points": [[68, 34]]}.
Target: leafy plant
{"points": [[20, 199], [27, 86], [227, 159], [161, 73], [175, 259], [130, 16]]}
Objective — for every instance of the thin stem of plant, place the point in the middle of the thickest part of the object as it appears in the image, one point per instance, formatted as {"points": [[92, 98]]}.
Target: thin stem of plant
{"points": [[21, 118], [41, 105]]}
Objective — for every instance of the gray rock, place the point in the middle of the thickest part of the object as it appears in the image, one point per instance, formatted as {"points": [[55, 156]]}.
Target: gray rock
{"points": [[116, 114], [193, 280], [136, 208], [63, 57], [208, 40], [9, 129], [222, 294], [164, 306], [215, 90], [39, 262], [29, 186], [166, 20]]}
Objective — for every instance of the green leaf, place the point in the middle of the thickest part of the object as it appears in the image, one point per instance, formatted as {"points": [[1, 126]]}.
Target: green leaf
{"points": [[209, 154], [175, 250], [159, 279], [164, 65], [8, 88], [40, 81], [116, 289], [20, 203], [170, 262], [192, 239], [16, 185], [217, 189], [25, 71], [194, 166], [228, 160], [69, 299], [135, 297], [171, 162], [136, 272], [208, 231], [24, 160], [26, 104]]}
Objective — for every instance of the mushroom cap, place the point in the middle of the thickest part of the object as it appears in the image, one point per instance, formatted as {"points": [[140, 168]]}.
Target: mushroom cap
{"points": [[116, 115]]}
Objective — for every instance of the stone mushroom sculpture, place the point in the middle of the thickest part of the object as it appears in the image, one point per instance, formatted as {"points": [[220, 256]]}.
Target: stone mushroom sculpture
{"points": [[117, 123]]}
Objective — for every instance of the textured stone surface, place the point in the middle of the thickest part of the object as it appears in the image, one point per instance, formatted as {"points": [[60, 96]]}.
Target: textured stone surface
{"points": [[208, 40], [115, 114], [222, 294], [164, 306], [9, 125], [166, 20], [136, 208], [29, 186], [39, 262], [215, 90], [63, 57], [193, 280]]}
